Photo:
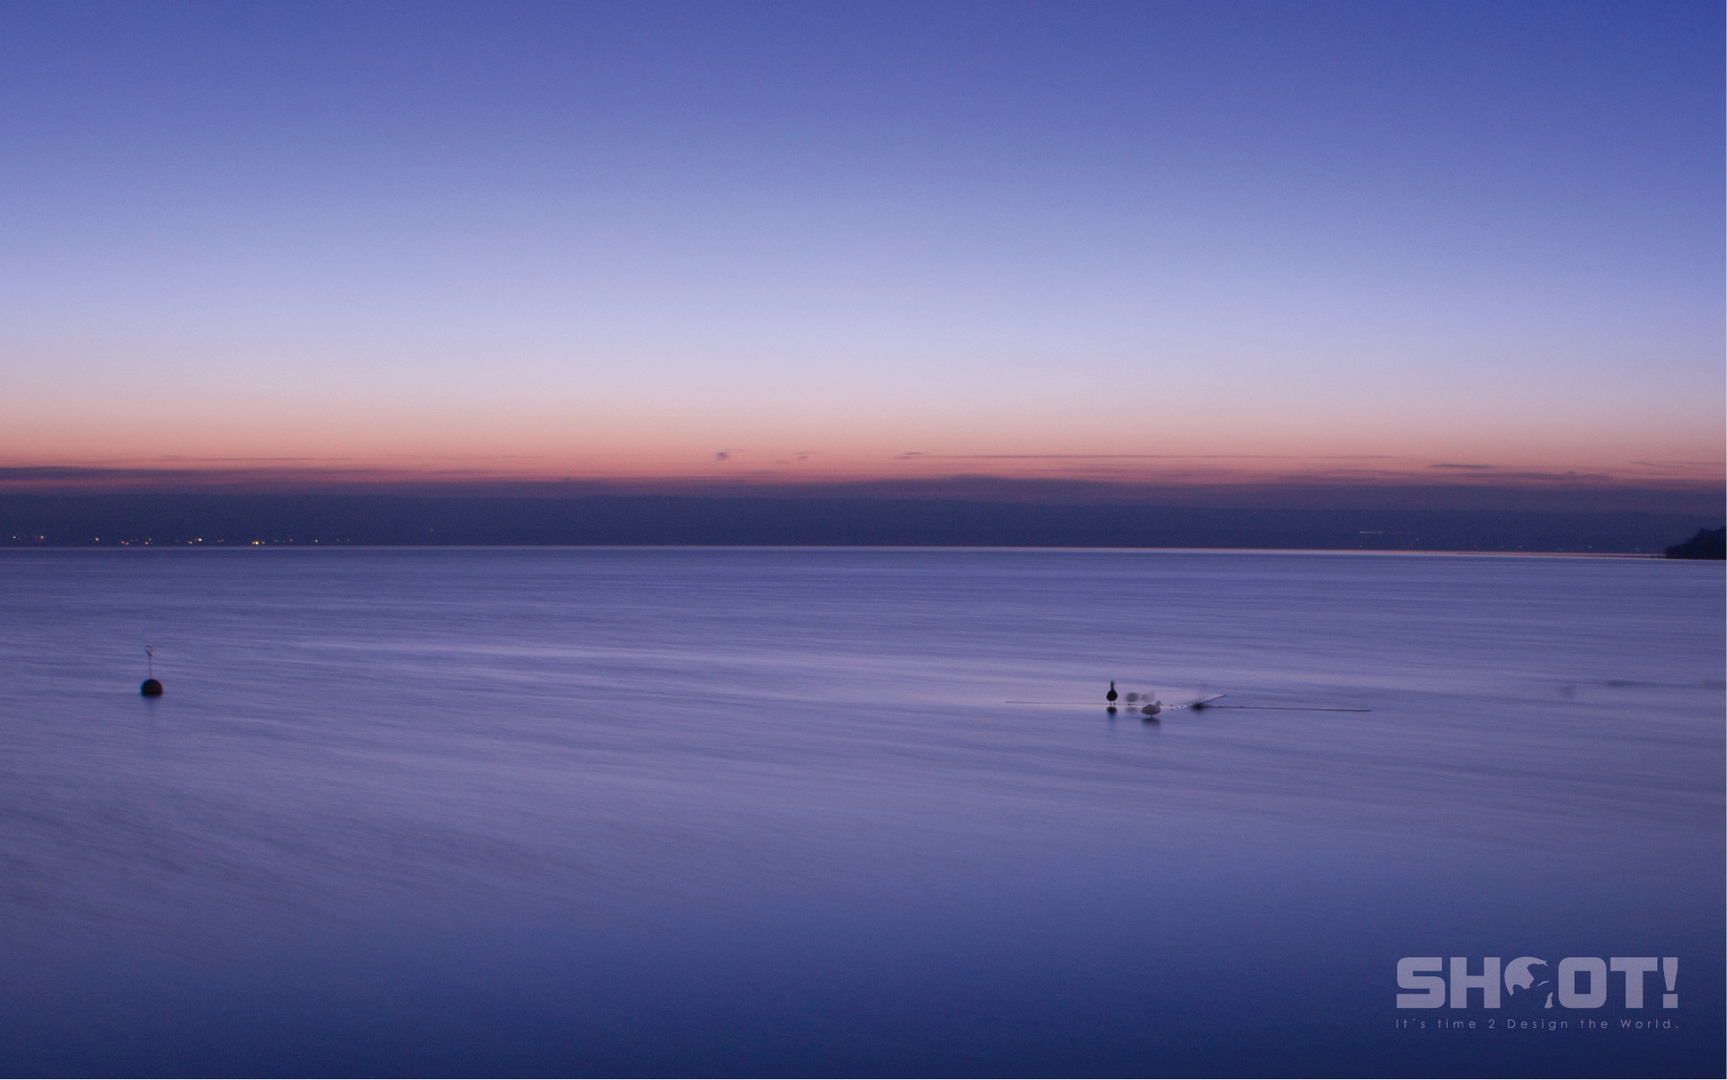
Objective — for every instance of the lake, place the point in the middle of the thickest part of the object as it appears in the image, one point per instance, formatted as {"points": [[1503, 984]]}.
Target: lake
{"points": [[768, 811]]}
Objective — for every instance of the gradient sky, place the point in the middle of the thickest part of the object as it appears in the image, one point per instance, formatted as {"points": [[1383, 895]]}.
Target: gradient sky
{"points": [[810, 241]]}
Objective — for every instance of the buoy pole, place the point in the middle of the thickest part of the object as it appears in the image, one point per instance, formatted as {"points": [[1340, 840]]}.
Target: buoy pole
{"points": [[150, 688]]}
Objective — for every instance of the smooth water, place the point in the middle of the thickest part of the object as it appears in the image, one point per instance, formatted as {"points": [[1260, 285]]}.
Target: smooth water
{"points": [[766, 811]]}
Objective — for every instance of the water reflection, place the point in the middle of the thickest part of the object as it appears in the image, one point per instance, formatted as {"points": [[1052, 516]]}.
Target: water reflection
{"points": [[764, 811]]}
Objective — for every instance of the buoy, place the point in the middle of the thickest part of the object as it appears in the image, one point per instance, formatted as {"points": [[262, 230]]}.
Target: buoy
{"points": [[1111, 696], [150, 687]]}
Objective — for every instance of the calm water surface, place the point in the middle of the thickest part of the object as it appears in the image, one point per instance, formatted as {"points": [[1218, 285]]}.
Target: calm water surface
{"points": [[767, 812]]}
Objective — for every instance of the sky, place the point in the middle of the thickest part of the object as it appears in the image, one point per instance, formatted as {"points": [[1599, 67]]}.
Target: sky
{"points": [[790, 243]]}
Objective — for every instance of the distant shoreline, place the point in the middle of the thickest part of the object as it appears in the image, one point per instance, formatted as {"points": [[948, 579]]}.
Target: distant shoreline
{"points": [[313, 521], [956, 548]]}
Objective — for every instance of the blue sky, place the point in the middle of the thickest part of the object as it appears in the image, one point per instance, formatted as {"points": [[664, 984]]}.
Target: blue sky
{"points": [[1139, 241]]}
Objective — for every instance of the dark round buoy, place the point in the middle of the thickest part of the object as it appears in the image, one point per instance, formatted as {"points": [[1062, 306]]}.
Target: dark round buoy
{"points": [[151, 688]]}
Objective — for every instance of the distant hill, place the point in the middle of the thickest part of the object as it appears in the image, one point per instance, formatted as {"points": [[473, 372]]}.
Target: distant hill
{"points": [[1707, 544], [304, 520]]}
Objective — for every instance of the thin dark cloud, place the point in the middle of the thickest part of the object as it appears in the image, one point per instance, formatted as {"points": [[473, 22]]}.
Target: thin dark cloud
{"points": [[918, 454], [1107, 480]]}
